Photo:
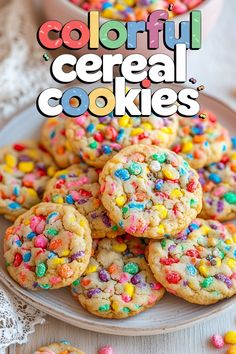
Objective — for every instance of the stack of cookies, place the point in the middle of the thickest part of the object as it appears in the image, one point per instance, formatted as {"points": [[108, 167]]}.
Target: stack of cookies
{"points": [[109, 206]]}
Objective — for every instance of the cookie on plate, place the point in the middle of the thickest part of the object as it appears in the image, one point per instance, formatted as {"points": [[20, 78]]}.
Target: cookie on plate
{"points": [[218, 182], [78, 185], [25, 169], [48, 247], [63, 347], [201, 141], [54, 140], [118, 282], [150, 191], [97, 139], [199, 265]]}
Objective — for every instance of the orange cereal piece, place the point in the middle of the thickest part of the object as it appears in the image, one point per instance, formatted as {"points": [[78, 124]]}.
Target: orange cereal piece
{"points": [[65, 271], [54, 244]]}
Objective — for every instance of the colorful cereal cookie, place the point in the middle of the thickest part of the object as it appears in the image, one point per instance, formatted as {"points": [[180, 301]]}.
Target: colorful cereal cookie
{"points": [[48, 247], [78, 186], [201, 141], [59, 348], [54, 140], [199, 265], [98, 139], [118, 282], [150, 191], [218, 182], [25, 170]]}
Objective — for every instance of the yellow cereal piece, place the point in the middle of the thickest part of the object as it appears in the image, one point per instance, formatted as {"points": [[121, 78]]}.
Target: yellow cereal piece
{"points": [[91, 269], [204, 271], [146, 126], [26, 222], [129, 289], [121, 200], [65, 253], [187, 147], [163, 212], [229, 241], [72, 218], [176, 193], [124, 121], [10, 160], [211, 242], [231, 263], [230, 337], [160, 229], [58, 199], [100, 126], [51, 171], [8, 169], [115, 306], [218, 262], [205, 229], [119, 247], [167, 130], [26, 166], [136, 131], [233, 156], [192, 285], [120, 7], [56, 261], [168, 174], [32, 192], [82, 222], [61, 172], [161, 136]]}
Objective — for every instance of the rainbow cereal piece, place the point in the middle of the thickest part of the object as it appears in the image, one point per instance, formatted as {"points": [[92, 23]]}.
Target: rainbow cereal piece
{"points": [[150, 191], [48, 247], [201, 142], [96, 140], [25, 169], [199, 264], [218, 182], [136, 10], [78, 186], [62, 347], [118, 282], [54, 140]]}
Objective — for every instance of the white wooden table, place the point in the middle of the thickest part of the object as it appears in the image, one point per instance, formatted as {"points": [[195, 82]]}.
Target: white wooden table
{"points": [[214, 67]]}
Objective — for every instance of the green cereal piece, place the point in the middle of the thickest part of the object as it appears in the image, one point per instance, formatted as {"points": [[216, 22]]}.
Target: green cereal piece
{"points": [[52, 232], [207, 282], [135, 169], [131, 268], [163, 243], [76, 282], [230, 197], [104, 308], [126, 310], [124, 210], [45, 286], [93, 145], [114, 228], [41, 270], [159, 157]]}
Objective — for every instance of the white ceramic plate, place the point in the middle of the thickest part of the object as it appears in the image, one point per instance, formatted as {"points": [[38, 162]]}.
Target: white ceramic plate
{"points": [[170, 314]]}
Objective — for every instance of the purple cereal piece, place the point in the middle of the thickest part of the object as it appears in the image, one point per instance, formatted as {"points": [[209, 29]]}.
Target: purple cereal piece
{"points": [[81, 201], [77, 255], [103, 275], [105, 219], [225, 279], [220, 206], [24, 158], [136, 279], [92, 292], [171, 248]]}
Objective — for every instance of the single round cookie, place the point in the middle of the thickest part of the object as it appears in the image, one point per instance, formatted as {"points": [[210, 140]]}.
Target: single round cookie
{"points": [[97, 139], [118, 282], [199, 265], [48, 247], [54, 140], [218, 182], [25, 169], [150, 191], [201, 141], [62, 347], [78, 186]]}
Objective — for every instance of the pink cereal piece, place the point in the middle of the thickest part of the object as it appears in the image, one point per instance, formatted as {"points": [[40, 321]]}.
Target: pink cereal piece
{"points": [[80, 133], [218, 192], [218, 341], [180, 8], [126, 298], [34, 222], [233, 276], [75, 195], [40, 227], [55, 280], [80, 120], [106, 350], [157, 286], [124, 277], [41, 241]]}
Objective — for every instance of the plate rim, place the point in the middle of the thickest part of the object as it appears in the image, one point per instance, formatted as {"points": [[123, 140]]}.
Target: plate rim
{"points": [[88, 324]]}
